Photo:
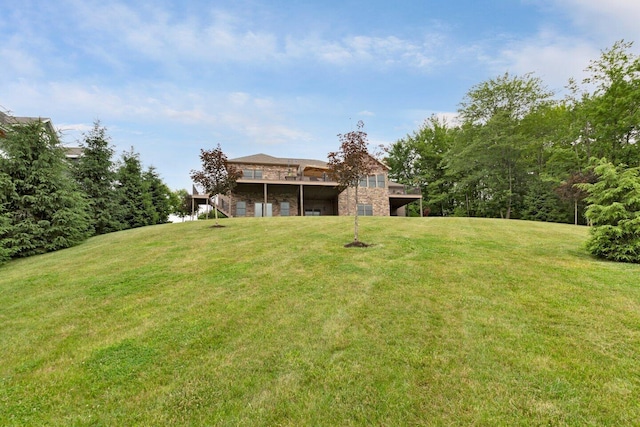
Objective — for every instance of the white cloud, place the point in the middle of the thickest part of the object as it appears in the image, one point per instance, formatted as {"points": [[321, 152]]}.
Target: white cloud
{"points": [[146, 32], [552, 57], [18, 62], [611, 18]]}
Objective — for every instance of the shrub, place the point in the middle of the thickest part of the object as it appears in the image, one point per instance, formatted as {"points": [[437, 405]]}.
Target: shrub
{"points": [[614, 212]]}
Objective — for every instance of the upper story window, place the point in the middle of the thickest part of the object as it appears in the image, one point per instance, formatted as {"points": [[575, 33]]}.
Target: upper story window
{"points": [[373, 181], [252, 173]]}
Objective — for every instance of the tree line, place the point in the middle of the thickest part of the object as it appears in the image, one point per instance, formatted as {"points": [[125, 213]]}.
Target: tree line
{"points": [[518, 151], [48, 202]]}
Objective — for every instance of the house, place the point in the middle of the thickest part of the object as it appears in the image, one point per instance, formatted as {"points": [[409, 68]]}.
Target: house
{"points": [[7, 122], [273, 186]]}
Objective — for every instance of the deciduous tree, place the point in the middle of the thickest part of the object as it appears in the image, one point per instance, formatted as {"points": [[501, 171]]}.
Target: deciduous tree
{"points": [[181, 203], [351, 163], [217, 175], [489, 153], [612, 111]]}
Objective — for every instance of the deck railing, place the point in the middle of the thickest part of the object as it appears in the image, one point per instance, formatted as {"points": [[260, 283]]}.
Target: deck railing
{"points": [[404, 190]]}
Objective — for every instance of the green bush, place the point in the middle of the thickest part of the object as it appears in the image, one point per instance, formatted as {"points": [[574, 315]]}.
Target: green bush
{"points": [[614, 212]]}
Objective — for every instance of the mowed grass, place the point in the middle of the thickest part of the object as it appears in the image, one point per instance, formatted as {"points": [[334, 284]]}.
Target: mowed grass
{"points": [[272, 321]]}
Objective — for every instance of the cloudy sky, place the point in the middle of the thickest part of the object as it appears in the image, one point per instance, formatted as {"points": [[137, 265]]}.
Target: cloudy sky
{"points": [[280, 77]]}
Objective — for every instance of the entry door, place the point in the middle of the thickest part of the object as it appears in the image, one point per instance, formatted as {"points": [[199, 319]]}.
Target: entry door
{"points": [[264, 209]]}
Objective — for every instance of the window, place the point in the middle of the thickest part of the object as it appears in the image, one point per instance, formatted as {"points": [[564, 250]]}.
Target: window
{"points": [[241, 209], [252, 173], [365, 210], [284, 209], [373, 181]]}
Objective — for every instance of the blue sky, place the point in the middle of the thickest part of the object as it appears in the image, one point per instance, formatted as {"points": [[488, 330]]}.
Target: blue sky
{"points": [[280, 77]]}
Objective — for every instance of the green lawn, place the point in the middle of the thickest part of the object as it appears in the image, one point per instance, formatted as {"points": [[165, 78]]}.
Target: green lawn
{"points": [[443, 321]]}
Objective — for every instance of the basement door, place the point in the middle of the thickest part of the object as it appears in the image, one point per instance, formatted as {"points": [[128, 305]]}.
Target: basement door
{"points": [[264, 209]]}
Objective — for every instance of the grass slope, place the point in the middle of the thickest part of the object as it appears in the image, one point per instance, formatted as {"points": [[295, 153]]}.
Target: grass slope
{"points": [[444, 321]]}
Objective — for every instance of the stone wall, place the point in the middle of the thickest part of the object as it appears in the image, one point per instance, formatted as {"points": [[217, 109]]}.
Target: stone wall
{"points": [[274, 196], [378, 198], [271, 172]]}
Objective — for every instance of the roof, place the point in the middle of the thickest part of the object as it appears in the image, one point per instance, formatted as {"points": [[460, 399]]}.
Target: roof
{"points": [[6, 121], [13, 120], [265, 159], [73, 152]]}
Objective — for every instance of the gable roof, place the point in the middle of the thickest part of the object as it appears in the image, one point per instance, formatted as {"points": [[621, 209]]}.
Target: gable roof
{"points": [[7, 121], [265, 159]]}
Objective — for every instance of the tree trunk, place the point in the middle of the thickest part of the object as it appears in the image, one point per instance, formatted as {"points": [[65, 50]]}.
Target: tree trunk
{"points": [[215, 208], [355, 225], [575, 211]]}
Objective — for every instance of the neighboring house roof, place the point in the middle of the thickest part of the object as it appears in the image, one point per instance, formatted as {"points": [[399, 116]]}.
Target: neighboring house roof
{"points": [[6, 121], [73, 153]]}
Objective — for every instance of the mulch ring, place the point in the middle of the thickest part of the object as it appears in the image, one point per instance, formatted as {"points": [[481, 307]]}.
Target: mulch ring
{"points": [[357, 244]]}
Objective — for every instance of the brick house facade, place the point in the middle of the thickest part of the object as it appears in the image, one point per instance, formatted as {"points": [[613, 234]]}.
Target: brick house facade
{"points": [[272, 186]]}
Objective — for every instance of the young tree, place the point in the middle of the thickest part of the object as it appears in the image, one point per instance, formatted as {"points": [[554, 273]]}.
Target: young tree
{"points": [[351, 163], [217, 175], [614, 212], [44, 209], [94, 172]]}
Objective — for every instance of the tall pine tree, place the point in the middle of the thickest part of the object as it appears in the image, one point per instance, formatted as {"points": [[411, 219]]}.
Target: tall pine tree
{"points": [[44, 208], [133, 193], [95, 174], [160, 195]]}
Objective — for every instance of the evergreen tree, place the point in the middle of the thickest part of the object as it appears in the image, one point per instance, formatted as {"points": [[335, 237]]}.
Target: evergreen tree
{"points": [[614, 212], [133, 193], [95, 174], [160, 195], [5, 222], [44, 209], [542, 203]]}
